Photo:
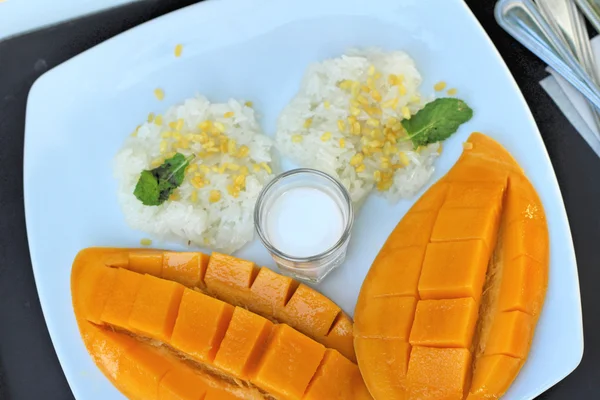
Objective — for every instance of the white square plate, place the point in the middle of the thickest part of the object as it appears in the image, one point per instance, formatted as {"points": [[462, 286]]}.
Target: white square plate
{"points": [[80, 112]]}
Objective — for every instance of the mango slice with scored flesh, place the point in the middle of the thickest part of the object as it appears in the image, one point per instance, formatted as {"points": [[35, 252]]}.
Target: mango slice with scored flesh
{"points": [[156, 339], [471, 257], [241, 283]]}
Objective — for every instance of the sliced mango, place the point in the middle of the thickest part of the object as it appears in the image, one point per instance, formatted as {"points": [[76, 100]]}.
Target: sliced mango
{"points": [[337, 338], [510, 334], [337, 378], [155, 308], [230, 278], [181, 383], [388, 317], [523, 286], [201, 325], [311, 312], [444, 323], [288, 364], [120, 301], [243, 343], [481, 284], [185, 268], [141, 371], [438, 374], [493, 376], [390, 264], [413, 230], [453, 270], [383, 365], [146, 262], [270, 292]]}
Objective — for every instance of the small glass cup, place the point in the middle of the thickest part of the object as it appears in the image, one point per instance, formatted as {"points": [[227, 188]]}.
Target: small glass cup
{"points": [[313, 268]]}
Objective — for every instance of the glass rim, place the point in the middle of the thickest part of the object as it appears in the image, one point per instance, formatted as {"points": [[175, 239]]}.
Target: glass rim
{"points": [[267, 243]]}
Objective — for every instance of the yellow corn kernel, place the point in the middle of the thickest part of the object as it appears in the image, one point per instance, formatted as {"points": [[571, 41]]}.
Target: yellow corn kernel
{"points": [[438, 87], [351, 120], [248, 104], [204, 169], [183, 144], [467, 145], [345, 84], [219, 126], [415, 99], [391, 121], [178, 50], [375, 143], [452, 92], [266, 167], [402, 90], [244, 170], [391, 138], [362, 100], [158, 120], [174, 196], [231, 146], [212, 150], [233, 167], [439, 150], [342, 143], [376, 95], [360, 168], [371, 83], [326, 104], [376, 133], [146, 242], [377, 176], [223, 147], [204, 125], [194, 196], [389, 103], [215, 168], [326, 136], [355, 88], [240, 180], [356, 159], [405, 112], [163, 146], [365, 89], [308, 123], [404, 158], [159, 93], [191, 168], [354, 103], [356, 128], [354, 111], [228, 114], [373, 122], [150, 117], [377, 75], [341, 125], [243, 151], [214, 196], [256, 168], [179, 125], [157, 162], [166, 134], [371, 70]]}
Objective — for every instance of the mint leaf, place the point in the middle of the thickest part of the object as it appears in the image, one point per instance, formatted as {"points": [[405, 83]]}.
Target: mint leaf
{"points": [[155, 186], [437, 121]]}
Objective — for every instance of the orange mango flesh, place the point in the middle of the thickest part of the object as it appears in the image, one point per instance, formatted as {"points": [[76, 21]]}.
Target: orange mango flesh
{"points": [[202, 347], [470, 296], [120, 301], [241, 283]]}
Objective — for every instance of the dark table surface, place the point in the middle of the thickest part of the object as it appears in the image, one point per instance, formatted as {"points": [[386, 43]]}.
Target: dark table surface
{"points": [[29, 368]]}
